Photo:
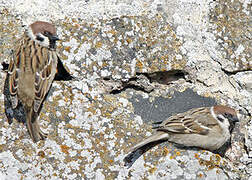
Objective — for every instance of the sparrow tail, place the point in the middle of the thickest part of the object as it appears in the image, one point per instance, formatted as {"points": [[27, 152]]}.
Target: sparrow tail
{"points": [[159, 135], [33, 126]]}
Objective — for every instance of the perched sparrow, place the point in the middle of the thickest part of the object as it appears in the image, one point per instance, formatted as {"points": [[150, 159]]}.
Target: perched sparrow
{"points": [[206, 127], [31, 72]]}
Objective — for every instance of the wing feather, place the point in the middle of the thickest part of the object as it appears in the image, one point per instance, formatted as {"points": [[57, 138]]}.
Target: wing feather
{"points": [[183, 123], [44, 76], [13, 72]]}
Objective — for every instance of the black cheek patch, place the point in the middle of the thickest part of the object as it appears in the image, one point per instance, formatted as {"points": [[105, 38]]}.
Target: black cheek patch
{"points": [[52, 44], [227, 115], [39, 38], [220, 118]]}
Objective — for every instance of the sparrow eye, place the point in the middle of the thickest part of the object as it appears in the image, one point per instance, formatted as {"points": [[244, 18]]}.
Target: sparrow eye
{"points": [[39, 38], [46, 33]]}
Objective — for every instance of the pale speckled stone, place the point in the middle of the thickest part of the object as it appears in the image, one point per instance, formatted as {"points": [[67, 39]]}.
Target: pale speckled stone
{"points": [[89, 129]]}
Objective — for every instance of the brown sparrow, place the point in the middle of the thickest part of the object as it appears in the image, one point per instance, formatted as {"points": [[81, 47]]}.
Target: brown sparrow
{"points": [[206, 127], [31, 72]]}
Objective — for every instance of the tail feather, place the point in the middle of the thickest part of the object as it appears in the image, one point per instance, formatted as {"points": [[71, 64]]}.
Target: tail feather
{"points": [[159, 135], [33, 126]]}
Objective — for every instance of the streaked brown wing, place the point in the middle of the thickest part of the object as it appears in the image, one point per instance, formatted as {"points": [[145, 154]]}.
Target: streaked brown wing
{"points": [[13, 73], [182, 123], [44, 75]]}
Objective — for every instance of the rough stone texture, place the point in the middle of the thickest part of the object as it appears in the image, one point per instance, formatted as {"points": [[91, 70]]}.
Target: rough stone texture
{"points": [[136, 62]]}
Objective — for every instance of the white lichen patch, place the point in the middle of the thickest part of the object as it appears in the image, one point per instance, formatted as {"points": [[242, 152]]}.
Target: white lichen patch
{"points": [[239, 50], [90, 130]]}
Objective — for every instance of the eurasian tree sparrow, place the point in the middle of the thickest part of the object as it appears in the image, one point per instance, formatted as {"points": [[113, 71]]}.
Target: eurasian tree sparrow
{"points": [[206, 127], [31, 72]]}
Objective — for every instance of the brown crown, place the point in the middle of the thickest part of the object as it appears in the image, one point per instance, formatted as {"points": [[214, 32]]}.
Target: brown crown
{"points": [[41, 27], [219, 109]]}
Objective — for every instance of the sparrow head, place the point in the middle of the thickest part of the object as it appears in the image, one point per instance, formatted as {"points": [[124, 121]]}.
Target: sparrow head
{"points": [[43, 33], [226, 116]]}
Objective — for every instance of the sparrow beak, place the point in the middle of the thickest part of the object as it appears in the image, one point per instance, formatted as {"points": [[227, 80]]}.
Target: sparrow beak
{"points": [[235, 119], [54, 38]]}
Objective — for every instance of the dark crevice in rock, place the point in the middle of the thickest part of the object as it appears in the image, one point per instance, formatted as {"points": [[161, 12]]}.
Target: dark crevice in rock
{"points": [[129, 87], [247, 113], [133, 83], [229, 73], [143, 81], [245, 147], [165, 77], [106, 78], [202, 82]]}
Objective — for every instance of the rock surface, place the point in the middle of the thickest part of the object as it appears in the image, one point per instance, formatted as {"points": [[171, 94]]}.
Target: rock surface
{"points": [[135, 62]]}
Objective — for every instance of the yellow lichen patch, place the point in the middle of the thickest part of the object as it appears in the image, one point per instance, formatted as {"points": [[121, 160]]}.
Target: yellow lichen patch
{"points": [[144, 157], [218, 171], [112, 32], [180, 65], [98, 44], [200, 175], [96, 31], [129, 40], [152, 170], [139, 65], [64, 149], [232, 26], [69, 126], [92, 110], [178, 153], [214, 162], [74, 20], [156, 153], [1, 147], [107, 114], [67, 48], [216, 159], [104, 64], [41, 154], [63, 57], [77, 26], [166, 151], [76, 51], [109, 98], [196, 156]]}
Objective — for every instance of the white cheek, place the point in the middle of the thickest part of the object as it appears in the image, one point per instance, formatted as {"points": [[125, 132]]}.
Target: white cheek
{"points": [[226, 123], [240, 116], [44, 43]]}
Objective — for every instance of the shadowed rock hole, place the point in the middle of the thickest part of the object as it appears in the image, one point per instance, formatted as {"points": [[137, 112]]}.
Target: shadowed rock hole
{"points": [[161, 77], [166, 77], [128, 86]]}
